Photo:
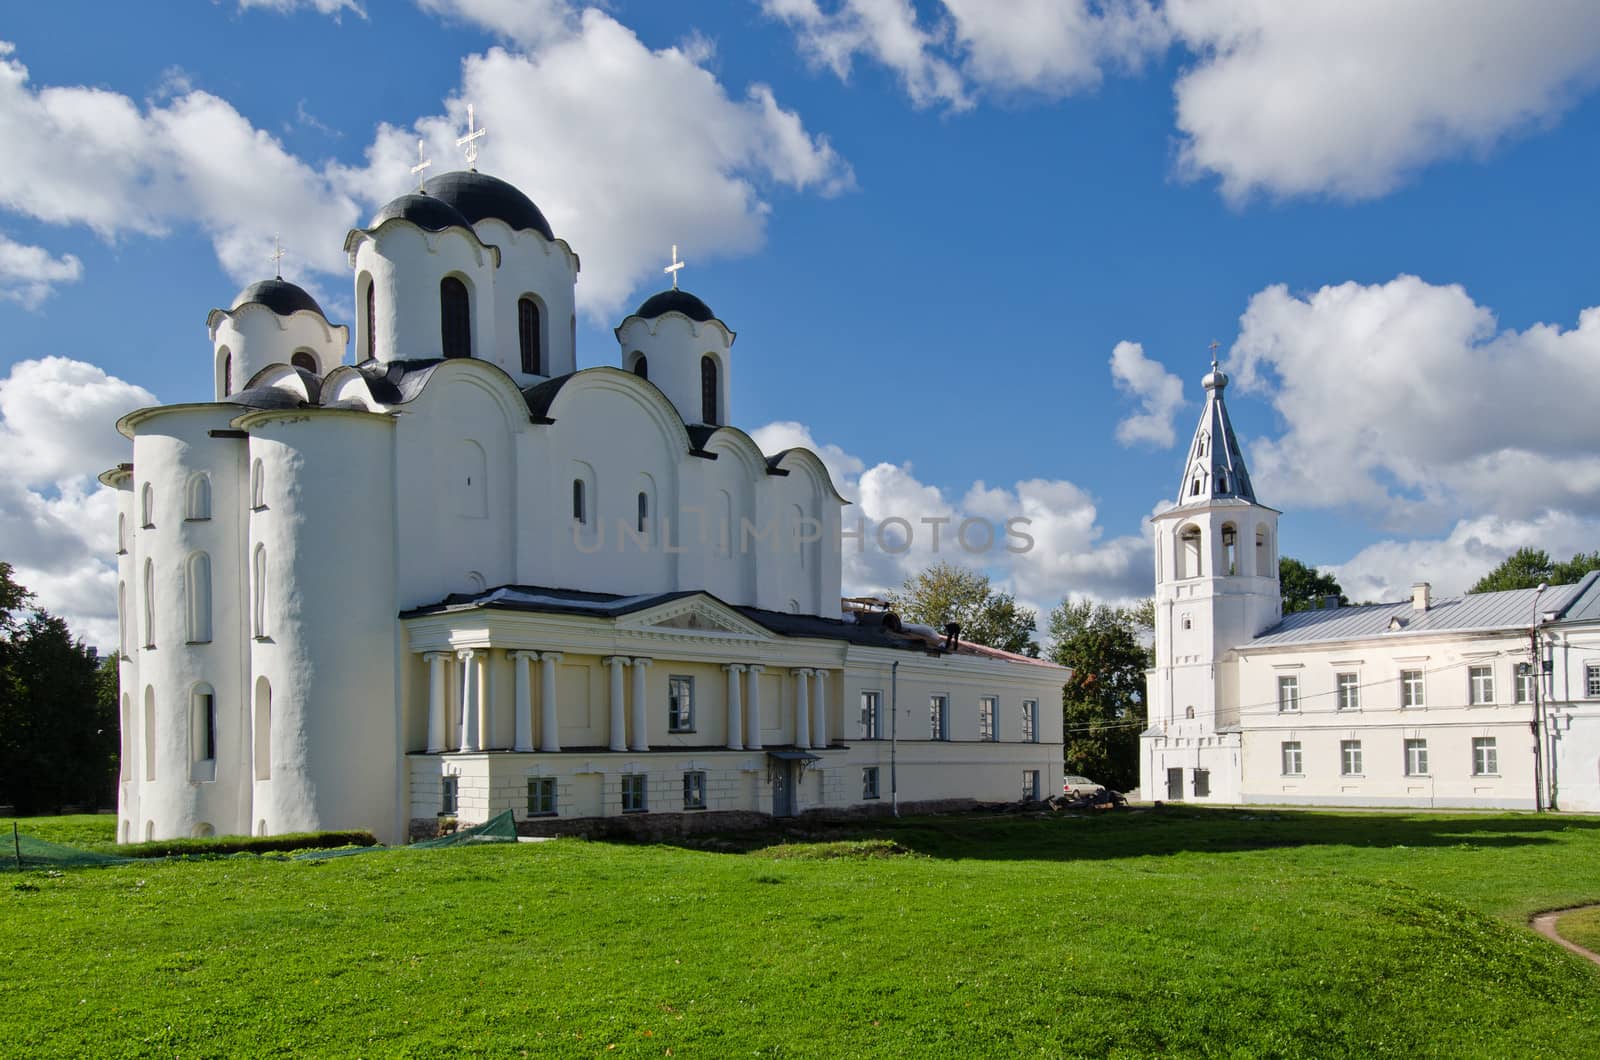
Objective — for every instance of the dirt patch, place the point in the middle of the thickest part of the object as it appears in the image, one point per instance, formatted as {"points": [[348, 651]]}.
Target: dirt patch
{"points": [[1545, 924]]}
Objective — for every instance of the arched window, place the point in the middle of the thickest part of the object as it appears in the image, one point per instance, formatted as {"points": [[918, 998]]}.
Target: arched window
{"points": [[258, 485], [263, 729], [641, 367], [708, 389], [1188, 712], [125, 743], [1263, 554], [227, 373], [122, 534], [455, 317], [305, 360], [528, 336], [580, 510], [197, 498], [203, 725], [1189, 553], [149, 603], [644, 512], [259, 597], [1230, 549], [122, 617], [199, 584], [149, 732], [372, 319], [147, 506]]}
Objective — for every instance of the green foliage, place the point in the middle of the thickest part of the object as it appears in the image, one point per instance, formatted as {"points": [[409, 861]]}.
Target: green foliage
{"points": [[252, 844], [945, 593], [1172, 933], [13, 598], [1526, 568], [1103, 702], [1303, 588]]}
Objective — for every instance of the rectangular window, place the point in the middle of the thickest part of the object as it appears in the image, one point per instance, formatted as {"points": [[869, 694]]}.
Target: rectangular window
{"points": [[1030, 721], [1416, 758], [1411, 693], [694, 791], [1592, 681], [447, 803], [1350, 758], [869, 782], [1292, 761], [1485, 757], [1349, 686], [680, 704], [938, 717], [1202, 782], [1030, 785], [987, 709], [634, 798], [1288, 692], [1480, 685], [1524, 685], [871, 715], [541, 796]]}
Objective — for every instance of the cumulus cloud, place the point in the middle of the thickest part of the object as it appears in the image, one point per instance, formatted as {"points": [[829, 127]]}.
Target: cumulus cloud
{"points": [[325, 7], [1160, 395], [29, 274], [1404, 399], [1346, 99], [884, 31], [526, 22], [58, 524]]}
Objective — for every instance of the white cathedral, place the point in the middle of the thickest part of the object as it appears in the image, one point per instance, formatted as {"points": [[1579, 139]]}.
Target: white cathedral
{"points": [[1489, 700], [460, 576]]}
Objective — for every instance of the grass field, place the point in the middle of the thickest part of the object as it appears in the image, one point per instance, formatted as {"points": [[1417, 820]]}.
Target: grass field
{"points": [[1582, 927], [1168, 933]]}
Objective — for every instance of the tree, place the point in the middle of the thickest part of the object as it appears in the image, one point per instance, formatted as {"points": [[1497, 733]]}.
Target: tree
{"points": [[1304, 587], [1103, 703], [1526, 568], [945, 593]]}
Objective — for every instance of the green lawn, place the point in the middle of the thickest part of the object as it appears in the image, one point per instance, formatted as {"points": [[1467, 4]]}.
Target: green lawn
{"points": [[1582, 927], [1139, 934]]}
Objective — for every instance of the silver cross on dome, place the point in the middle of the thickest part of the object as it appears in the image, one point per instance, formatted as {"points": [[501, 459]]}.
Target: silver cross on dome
{"points": [[423, 162], [470, 141], [277, 254], [672, 270]]}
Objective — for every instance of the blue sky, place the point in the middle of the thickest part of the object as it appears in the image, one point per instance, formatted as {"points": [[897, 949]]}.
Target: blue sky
{"points": [[931, 225]]}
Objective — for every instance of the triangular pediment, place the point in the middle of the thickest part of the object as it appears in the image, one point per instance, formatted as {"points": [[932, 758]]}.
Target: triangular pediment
{"points": [[696, 616]]}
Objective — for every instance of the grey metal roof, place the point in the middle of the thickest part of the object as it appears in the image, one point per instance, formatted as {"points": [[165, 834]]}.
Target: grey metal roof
{"points": [[1472, 613], [1586, 608], [1216, 466]]}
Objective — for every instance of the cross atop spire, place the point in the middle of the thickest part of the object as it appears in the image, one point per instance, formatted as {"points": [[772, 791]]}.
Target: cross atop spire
{"points": [[672, 270], [1214, 347], [423, 162], [277, 255], [470, 141]]}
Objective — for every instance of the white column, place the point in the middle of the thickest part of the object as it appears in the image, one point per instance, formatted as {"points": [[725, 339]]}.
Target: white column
{"points": [[520, 661], [486, 701], [438, 705], [735, 707], [819, 708], [802, 709], [471, 694], [619, 715], [752, 700], [641, 708], [549, 717]]}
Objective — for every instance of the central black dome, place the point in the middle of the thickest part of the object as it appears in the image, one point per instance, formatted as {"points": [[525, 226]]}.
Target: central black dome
{"points": [[477, 196], [673, 300], [424, 211], [280, 296]]}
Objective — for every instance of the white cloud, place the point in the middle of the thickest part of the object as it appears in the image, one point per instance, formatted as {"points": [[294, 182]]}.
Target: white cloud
{"points": [[1404, 399], [29, 275], [1346, 99], [325, 7], [57, 432], [526, 22], [1160, 395], [885, 31]]}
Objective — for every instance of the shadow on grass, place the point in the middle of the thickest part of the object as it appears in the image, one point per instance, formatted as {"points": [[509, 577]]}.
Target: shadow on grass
{"points": [[1142, 832]]}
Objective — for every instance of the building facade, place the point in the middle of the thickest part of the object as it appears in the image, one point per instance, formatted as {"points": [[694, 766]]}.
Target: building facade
{"points": [[459, 575]]}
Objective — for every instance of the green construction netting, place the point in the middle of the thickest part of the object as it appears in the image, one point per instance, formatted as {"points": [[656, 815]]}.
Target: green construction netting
{"points": [[501, 828], [23, 853]]}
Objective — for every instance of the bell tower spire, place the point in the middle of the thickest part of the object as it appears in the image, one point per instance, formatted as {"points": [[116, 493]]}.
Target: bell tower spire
{"points": [[1216, 466]]}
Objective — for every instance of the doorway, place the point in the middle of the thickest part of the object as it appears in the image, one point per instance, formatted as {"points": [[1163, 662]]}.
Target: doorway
{"points": [[1175, 785], [783, 789]]}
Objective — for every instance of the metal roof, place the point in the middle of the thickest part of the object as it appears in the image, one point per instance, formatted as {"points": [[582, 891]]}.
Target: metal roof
{"points": [[1472, 613]]}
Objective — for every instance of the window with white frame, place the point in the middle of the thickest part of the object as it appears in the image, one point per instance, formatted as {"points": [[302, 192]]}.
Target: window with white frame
{"points": [[1524, 689], [871, 715], [1030, 785], [1030, 721], [1288, 692], [634, 797], [1350, 758], [541, 796], [938, 717], [1480, 685], [1485, 757], [1293, 760], [694, 790], [1591, 681], [203, 726], [1411, 690], [987, 712], [1349, 687], [447, 797], [680, 704], [869, 782], [1416, 758]]}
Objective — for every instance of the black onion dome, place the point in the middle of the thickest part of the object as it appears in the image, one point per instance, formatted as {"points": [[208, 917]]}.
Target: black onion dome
{"points": [[477, 196], [675, 301], [280, 296], [424, 211]]}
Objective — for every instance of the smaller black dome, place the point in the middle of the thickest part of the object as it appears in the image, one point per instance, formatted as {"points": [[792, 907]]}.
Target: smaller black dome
{"points": [[478, 196], [280, 296], [424, 211], [673, 300]]}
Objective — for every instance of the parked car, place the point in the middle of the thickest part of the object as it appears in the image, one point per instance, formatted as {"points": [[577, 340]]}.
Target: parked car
{"points": [[1073, 786]]}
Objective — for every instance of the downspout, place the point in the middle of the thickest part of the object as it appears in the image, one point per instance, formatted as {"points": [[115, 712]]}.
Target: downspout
{"points": [[894, 729]]}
